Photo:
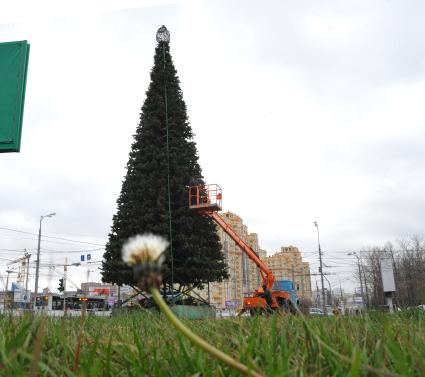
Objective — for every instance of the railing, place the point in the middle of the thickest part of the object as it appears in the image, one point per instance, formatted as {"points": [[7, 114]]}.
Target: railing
{"points": [[207, 197]]}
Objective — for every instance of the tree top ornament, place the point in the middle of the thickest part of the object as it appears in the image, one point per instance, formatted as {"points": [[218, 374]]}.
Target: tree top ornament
{"points": [[163, 35]]}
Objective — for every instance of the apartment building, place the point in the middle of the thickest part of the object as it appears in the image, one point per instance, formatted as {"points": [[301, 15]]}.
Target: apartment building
{"points": [[287, 264]]}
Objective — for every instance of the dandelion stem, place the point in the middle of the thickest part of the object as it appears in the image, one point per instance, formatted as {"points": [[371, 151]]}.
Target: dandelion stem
{"points": [[198, 341]]}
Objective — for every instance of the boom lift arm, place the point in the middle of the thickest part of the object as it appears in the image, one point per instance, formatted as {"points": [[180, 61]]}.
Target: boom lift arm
{"points": [[206, 200], [266, 274]]}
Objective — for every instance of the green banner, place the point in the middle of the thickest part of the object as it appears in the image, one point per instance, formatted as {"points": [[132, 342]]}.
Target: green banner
{"points": [[13, 77]]}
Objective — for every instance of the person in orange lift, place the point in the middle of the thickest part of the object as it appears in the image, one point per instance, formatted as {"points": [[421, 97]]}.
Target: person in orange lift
{"points": [[267, 295]]}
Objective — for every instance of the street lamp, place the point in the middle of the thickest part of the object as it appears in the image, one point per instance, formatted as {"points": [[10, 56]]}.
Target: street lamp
{"points": [[330, 291], [321, 269], [37, 269], [341, 301], [360, 276], [27, 297]]}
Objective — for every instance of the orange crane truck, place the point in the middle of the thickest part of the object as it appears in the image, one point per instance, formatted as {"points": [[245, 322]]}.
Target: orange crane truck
{"points": [[206, 200]]}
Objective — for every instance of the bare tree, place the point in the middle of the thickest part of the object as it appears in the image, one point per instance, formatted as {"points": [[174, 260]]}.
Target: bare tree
{"points": [[408, 257]]}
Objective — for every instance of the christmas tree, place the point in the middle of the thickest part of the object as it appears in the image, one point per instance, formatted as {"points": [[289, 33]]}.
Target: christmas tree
{"points": [[163, 162]]}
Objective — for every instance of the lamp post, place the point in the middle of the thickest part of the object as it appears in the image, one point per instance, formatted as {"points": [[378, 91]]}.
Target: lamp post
{"points": [[360, 276], [37, 269], [341, 300], [27, 299], [330, 291], [321, 269]]}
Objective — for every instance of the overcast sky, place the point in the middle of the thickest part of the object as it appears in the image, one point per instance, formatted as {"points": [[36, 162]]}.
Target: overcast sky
{"points": [[303, 111]]}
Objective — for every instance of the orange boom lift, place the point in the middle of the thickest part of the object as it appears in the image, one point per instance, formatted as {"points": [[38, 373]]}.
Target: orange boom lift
{"points": [[206, 200]]}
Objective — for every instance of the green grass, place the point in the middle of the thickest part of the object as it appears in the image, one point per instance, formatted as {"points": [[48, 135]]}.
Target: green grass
{"points": [[143, 344]]}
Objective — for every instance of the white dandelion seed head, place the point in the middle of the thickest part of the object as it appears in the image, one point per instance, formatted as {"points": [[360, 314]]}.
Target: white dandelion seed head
{"points": [[144, 248]]}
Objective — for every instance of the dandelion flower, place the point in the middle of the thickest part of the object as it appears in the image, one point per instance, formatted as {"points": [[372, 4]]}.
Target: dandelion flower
{"points": [[147, 248], [145, 254]]}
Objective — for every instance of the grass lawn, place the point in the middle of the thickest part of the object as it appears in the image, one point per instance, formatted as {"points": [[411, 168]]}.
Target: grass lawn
{"points": [[144, 344]]}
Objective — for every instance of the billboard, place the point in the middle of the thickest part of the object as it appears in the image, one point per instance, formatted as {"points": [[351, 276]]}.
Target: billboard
{"points": [[13, 78], [387, 275], [101, 291], [19, 293], [111, 301], [231, 303]]}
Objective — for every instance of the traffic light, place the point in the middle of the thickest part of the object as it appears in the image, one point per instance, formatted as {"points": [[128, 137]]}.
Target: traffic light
{"points": [[61, 286]]}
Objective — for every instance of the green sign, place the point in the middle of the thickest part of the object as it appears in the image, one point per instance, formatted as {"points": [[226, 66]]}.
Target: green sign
{"points": [[13, 77]]}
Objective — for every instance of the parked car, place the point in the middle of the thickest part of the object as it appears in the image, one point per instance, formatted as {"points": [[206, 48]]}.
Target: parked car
{"points": [[224, 313], [316, 311]]}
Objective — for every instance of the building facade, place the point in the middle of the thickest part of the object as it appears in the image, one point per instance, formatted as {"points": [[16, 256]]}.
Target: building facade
{"points": [[287, 264]]}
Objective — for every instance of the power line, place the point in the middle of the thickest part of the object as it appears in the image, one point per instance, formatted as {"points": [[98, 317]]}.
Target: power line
{"points": [[51, 237], [20, 250], [35, 239], [6, 259], [78, 264], [70, 251]]}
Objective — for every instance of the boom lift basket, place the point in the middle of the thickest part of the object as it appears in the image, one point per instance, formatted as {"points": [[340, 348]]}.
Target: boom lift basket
{"points": [[205, 198]]}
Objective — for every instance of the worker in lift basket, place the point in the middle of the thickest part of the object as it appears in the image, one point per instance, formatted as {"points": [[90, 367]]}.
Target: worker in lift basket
{"points": [[267, 295]]}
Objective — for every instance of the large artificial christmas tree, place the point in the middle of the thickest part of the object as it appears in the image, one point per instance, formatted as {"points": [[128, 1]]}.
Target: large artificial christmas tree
{"points": [[154, 199]]}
